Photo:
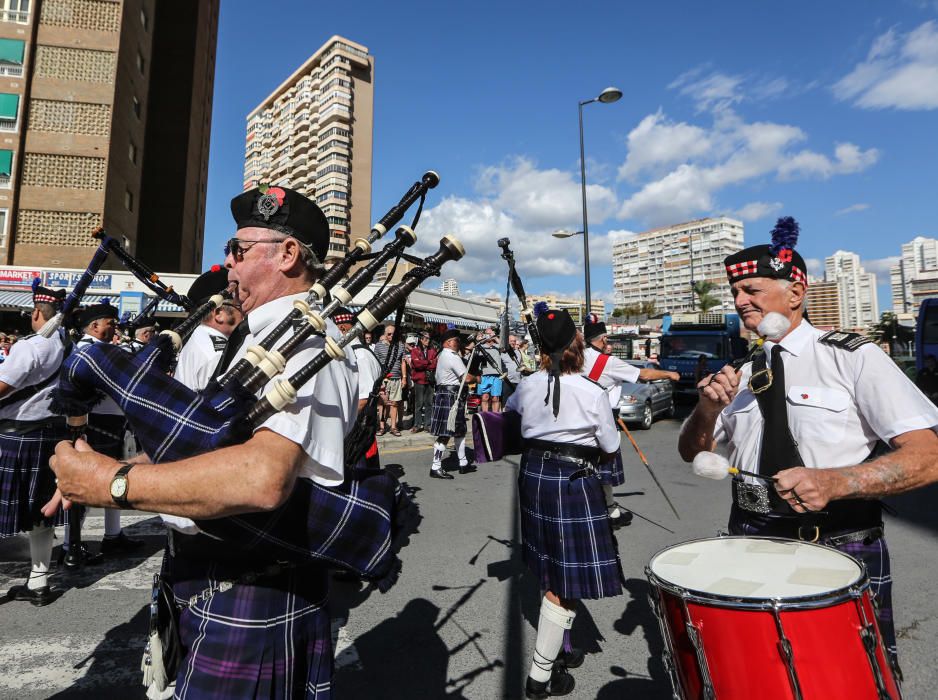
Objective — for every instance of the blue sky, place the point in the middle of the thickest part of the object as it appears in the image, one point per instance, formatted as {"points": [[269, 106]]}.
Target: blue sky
{"points": [[824, 111]]}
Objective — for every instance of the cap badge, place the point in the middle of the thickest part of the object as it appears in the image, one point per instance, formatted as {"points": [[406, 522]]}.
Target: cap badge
{"points": [[776, 264], [270, 201]]}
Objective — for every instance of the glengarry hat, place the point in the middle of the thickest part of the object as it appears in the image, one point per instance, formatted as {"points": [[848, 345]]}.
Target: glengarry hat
{"points": [[44, 295], [342, 315]]}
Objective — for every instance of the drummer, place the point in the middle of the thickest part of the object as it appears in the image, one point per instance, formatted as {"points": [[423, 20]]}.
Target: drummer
{"points": [[809, 412], [566, 534]]}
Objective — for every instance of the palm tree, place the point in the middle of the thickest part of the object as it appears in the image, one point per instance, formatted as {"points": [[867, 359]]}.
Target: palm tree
{"points": [[705, 300]]}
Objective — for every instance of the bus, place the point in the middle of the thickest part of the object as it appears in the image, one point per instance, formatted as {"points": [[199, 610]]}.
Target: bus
{"points": [[926, 332]]}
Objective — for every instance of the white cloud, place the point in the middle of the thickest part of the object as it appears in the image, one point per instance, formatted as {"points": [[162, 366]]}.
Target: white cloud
{"points": [[815, 267], [848, 158], [757, 210], [715, 91], [880, 266], [658, 142], [900, 72], [862, 206]]}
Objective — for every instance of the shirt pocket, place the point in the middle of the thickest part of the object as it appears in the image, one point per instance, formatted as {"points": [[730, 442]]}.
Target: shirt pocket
{"points": [[818, 414], [742, 416]]}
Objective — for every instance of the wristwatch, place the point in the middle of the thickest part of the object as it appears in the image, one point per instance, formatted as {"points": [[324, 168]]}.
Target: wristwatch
{"points": [[120, 485]]}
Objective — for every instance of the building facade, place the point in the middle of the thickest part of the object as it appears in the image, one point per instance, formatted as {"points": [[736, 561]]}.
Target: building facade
{"points": [[314, 134], [575, 305], [659, 265], [449, 286], [81, 81], [919, 256], [859, 305], [823, 304]]}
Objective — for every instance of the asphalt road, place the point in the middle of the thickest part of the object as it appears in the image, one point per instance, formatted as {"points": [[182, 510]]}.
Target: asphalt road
{"points": [[460, 623]]}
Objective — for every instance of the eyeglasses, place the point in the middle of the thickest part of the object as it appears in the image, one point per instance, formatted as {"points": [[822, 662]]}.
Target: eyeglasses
{"points": [[235, 248]]}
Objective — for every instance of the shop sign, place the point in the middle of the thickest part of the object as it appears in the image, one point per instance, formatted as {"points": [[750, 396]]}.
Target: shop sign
{"points": [[68, 280], [18, 278]]}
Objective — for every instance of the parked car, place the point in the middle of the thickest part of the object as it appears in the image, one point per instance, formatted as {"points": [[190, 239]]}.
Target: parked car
{"points": [[641, 402]]}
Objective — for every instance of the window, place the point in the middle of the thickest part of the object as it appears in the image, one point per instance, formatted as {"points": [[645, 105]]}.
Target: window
{"points": [[132, 153], [6, 167], [11, 57], [141, 63], [14, 11], [136, 106], [9, 109], [3, 228], [129, 200]]}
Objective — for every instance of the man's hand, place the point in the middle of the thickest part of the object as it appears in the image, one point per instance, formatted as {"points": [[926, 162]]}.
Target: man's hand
{"points": [[719, 389], [805, 489], [83, 475]]}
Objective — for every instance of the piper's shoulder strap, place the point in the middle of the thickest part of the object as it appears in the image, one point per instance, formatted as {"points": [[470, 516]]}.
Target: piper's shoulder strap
{"points": [[592, 381], [598, 367], [844, 340]]}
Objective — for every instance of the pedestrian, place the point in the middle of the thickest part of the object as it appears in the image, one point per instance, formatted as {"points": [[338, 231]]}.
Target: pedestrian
{"points": [[527, 358], [451, 378], [490, 383], [28, 437], [511, 361], [566, 539], [249, 626], [391, 358], [423, 370], [809, 411], [369, 370], [609, 372]]}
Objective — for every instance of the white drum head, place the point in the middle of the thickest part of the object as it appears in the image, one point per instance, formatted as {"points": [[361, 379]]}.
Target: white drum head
{"points": [[757, 568]]}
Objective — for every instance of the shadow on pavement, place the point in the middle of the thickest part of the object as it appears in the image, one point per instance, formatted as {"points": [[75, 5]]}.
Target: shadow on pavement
{"points": [[917, 507]]}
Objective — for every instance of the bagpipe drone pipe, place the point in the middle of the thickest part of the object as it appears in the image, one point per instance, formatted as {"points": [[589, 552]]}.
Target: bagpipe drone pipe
{"points": [[527, 313], [352, 525]]}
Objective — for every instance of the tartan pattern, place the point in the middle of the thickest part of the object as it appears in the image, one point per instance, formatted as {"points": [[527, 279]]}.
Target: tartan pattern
{"points": [[746, 267], [567, 541], [353, 525], [270, 639], [612, 473], [26, 481], [106, 434], [798, 275], [875, 556], [443, 399]]}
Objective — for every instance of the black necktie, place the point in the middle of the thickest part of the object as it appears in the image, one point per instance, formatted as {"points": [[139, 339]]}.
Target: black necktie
{"points": [[235, 341], [779, 449]]}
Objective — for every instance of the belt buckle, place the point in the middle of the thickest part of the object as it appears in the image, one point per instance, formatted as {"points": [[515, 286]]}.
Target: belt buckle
{"points": [[753, 497], [768, 377], [817, 533]]}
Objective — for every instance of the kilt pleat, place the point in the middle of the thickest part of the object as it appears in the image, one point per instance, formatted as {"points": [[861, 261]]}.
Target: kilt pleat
{"points": [[568, 542], [443, 399], [26, 481], [268, 639], [612, 473]]}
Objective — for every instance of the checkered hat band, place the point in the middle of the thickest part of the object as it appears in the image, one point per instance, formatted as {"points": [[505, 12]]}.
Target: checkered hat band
{"points": [[747, 267], [343, 318], [798, 275], [45, 299]]}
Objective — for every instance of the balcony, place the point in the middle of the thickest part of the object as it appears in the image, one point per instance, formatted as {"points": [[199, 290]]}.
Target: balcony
{"points": [[18, 16]]}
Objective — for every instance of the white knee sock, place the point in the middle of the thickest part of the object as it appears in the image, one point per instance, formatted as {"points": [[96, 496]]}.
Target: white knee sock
{"points": [[439, 449], [553, 621], [614, 511], [40, 552], [112, 522], [461, 451]]}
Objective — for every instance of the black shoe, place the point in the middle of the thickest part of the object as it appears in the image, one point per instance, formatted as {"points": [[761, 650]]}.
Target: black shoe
{"points": [[624, 519], [467, 468], [75, 559], [560, 683], [120, 544], [440, 474], [38, 597], [570, 659]]}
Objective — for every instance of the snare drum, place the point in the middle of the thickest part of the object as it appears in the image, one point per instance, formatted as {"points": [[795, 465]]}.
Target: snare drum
{"points": [[773, 619]]}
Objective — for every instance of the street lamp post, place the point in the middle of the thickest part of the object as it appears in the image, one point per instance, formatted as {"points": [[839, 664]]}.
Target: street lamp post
{"points": [[607, 96]]}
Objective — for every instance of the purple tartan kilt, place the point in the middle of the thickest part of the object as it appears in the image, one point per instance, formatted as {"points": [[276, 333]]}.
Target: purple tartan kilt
{"points": [[612, 473], [271, 639], [26, 481], [567, 539], [443, 399]]}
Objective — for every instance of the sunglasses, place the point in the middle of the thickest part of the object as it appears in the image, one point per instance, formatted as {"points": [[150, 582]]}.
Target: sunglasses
{"points": [[235, 249]]}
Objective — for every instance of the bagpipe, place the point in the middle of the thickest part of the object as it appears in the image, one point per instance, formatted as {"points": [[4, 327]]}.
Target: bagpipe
{"points": [[352, 525], [527, 313]]}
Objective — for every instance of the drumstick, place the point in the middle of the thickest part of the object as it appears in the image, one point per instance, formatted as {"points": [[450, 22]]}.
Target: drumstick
{"points": [[641, 456], [710, 465]]}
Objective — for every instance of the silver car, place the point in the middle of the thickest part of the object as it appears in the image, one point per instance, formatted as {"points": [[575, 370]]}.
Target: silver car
{"points": [[642, 401]]}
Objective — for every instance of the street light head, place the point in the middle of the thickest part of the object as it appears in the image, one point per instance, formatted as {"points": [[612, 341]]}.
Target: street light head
{"points": [[610, 94], [563, 233]]}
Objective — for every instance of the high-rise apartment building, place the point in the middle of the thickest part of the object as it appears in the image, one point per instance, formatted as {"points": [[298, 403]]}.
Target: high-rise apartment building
{"points": [[314, 134], [574, 305], [450, 287], [90, 93], [919, 255], [859, 306], [659, 265], [823, 303]]}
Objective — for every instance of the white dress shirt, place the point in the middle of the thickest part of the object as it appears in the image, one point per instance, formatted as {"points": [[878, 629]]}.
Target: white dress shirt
{"points": [[840, 403], [31, 361], [614, 373], [583, 419], [199, 357], [369, 369], [107, 406], [449, 368]]}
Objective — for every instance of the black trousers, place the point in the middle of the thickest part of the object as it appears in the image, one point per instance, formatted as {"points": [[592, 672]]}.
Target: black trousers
{"points": [[423, 405]]}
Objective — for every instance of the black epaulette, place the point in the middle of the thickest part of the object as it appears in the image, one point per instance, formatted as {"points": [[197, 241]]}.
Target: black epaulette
{"points": [[844, 340], [219, 343]]}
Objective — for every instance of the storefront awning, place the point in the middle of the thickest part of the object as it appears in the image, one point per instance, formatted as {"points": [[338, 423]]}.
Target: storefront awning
{"points": [[16, 300], [9, 105], [11, 51], [6, 162]]}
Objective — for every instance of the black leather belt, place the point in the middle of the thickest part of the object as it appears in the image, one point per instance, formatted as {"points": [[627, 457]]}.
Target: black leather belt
{"points": [[843, 522], [561, 449], [27, 426], [204, 548]]}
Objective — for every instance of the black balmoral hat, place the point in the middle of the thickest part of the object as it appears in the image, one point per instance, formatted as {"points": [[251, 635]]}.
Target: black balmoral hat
{"points": [[208, 284], [284, 210], [96, 311], [342, 315], [593, 327], [451, 333], [778, 261], [557, 330]]}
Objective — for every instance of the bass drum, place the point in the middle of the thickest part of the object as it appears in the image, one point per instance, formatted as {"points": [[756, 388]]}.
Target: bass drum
{"points": [[772, 619]]}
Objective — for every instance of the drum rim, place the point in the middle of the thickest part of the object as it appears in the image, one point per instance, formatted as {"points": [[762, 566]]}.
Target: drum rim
{"points": [[836, 596]]}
